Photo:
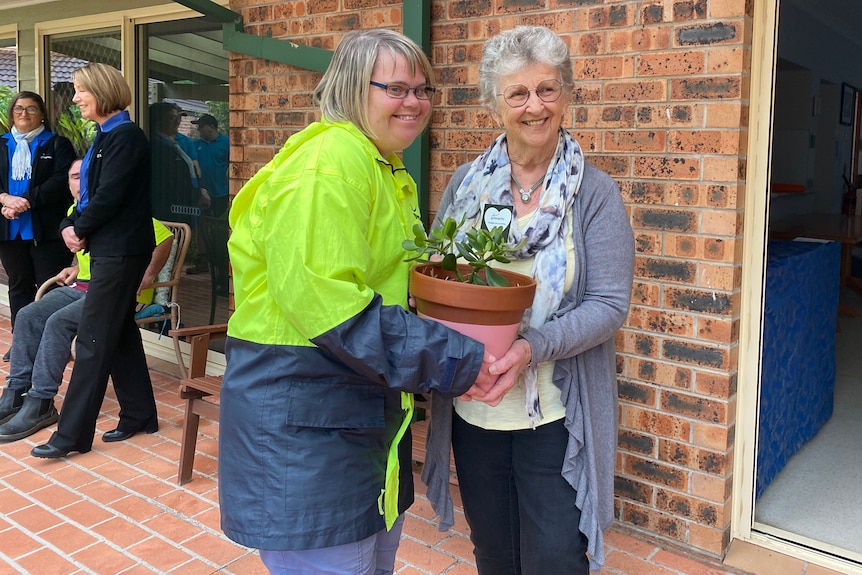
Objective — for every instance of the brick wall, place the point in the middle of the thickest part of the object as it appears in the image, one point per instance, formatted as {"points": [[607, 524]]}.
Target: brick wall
{"points": [[661, 105]]}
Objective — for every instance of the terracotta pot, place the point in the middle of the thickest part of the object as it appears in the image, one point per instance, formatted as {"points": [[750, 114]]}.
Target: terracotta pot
{"points": [[487, 314]]}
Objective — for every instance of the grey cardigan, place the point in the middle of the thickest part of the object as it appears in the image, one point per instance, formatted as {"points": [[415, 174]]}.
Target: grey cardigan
{"points": [[580, 338]]}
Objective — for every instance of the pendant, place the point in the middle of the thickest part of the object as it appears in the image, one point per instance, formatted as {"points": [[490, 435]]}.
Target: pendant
{"points": [[525, 197]]}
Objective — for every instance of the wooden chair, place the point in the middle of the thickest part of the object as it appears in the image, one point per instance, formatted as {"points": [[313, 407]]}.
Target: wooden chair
{"points": [[168, 279], [199, 390]]}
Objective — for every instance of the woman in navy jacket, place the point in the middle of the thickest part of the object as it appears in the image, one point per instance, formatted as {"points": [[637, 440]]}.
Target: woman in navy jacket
{"points": [[34, 193], [113, 220]]}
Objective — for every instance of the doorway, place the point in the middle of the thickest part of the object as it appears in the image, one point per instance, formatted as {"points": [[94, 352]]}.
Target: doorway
{"points": [[829, 146]]}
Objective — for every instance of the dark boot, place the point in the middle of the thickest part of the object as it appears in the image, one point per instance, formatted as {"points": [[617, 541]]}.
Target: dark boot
{"points": [[10, 403], [34, 414]]}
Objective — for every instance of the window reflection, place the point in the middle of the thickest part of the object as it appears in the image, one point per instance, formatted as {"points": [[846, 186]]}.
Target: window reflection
{"points": [[188, 121]]}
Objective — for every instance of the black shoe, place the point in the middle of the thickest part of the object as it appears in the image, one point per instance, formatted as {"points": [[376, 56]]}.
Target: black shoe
{"points": [[34, 414], [8, 355], [118, 434], [10, 403], [48, 451]]}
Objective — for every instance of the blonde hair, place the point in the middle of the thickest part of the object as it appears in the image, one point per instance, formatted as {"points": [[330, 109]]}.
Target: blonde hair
{"points": [[107, 85], [342, 93]]}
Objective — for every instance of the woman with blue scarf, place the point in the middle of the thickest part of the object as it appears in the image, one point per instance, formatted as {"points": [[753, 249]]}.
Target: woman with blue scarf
{"points": [[113, 221], [34, 193]]}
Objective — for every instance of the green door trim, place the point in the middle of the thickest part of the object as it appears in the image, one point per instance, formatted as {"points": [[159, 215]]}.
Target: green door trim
{"points": [[416, 17]]}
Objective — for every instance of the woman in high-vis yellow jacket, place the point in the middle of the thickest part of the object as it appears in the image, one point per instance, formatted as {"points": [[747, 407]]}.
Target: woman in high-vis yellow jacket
{"points": [[322, 354]]}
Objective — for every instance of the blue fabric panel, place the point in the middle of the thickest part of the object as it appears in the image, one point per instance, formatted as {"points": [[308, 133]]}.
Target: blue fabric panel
{"points": [[798, 375]]}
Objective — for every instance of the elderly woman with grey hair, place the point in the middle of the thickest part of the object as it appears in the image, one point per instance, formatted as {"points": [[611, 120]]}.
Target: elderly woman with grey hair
{"points": [[536, 470]]}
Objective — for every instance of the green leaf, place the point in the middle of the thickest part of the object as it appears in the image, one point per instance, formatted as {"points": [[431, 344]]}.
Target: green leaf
{"points": [[495, 279]]}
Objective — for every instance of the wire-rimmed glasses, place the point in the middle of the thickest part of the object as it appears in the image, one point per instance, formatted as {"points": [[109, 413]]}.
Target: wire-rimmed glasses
{"points": [[399, 91], [518, 94]]}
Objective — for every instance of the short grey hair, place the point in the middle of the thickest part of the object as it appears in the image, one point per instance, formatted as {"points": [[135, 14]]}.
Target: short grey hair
{"points": [[342, 93], [509, 51]]}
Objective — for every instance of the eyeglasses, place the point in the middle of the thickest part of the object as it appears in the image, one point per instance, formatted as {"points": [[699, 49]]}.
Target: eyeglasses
{"points": [[547, 91], [399, 91], [29, 109]]}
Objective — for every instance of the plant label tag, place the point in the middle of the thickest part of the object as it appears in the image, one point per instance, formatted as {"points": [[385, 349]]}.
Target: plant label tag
{"points": [[497, 216]]}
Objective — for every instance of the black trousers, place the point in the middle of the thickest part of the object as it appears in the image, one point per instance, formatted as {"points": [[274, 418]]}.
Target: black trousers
{"points": [[109, 343], [523, 515], [28, 264]]}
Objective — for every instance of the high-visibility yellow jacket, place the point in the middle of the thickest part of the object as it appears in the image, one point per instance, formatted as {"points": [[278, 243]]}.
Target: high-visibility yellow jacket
{"points": [[322, 354]]}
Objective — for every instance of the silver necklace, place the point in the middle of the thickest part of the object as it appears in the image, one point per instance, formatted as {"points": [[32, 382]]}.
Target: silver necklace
{"points": [[525, 196]]}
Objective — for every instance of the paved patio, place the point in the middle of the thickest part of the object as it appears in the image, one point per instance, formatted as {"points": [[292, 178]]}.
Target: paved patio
{"points": [[118, 510]]}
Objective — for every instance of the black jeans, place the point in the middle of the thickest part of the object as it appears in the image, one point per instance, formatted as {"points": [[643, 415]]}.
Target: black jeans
{"points": [[522, 513]]}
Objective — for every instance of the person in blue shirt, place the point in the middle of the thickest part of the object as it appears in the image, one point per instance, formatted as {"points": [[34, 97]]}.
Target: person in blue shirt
{"points": [[34, 197], [213, 154]]}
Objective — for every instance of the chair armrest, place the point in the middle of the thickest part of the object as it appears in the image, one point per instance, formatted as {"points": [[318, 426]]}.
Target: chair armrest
{"points": [[46, 285], [198, 338], [214, 330]]}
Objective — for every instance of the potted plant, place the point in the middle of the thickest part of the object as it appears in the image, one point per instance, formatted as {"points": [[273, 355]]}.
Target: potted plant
{"points": [[470, 297]]}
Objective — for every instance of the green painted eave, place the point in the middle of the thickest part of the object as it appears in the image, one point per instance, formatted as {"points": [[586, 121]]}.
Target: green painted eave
{"points": [[274, 49], [416, 16]]}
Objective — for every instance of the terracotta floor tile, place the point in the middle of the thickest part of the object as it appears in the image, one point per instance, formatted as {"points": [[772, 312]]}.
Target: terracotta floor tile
{"points": [[86, 513], [148, 487], [136, 508], [459, 546], [46, 561], [423, 531], [193, 567], [56, 496], [185, 503], [103, 492], [19, 543], [102, 558], [35, 518], [68, 538], [118, 510], [176, 529], [121, 532], [11, 500], [215, 547], [631, 565], [628, 544], [26, 481], [160, 554], [424, 557]]}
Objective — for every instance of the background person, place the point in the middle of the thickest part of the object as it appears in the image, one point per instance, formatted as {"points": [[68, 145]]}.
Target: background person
{"points": [[176, 196], [536, 471], [320, 368], [113, 220], [34, 195], [40, 347], [213, 153]]}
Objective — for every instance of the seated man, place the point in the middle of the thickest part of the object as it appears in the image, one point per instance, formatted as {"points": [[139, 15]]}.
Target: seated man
{"points": [[43, 336]]}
